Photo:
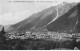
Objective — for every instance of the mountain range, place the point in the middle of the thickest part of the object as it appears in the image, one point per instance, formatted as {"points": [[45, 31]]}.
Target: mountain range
{"points": [[63, 18]]}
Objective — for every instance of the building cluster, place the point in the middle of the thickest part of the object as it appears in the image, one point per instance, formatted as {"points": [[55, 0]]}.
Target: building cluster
{"points": [[39, 35]]}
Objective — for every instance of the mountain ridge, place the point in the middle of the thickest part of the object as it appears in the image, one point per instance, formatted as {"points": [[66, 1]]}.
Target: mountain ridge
{"points": [[42, 18], [64, 23]]}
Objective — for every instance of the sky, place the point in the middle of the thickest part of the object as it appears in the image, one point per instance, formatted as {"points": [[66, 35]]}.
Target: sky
{"points": [[12, 12]]}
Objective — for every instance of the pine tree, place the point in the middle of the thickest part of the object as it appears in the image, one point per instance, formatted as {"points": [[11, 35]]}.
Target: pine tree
{"points": [[3, 31], [2, 34]]}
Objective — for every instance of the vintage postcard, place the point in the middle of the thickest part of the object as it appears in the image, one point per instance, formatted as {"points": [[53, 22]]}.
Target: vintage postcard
{"points": [[39, 24]]}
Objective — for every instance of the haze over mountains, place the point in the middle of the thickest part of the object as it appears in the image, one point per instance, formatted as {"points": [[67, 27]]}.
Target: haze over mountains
{"points": [[61, 18]]}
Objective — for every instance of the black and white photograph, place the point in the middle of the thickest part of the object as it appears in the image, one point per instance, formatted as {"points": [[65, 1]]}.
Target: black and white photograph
{"points": [[39, 24]]}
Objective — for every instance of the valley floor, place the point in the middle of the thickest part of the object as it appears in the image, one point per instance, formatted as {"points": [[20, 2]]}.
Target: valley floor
{"points": [[39, 41], [38, 44]]}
